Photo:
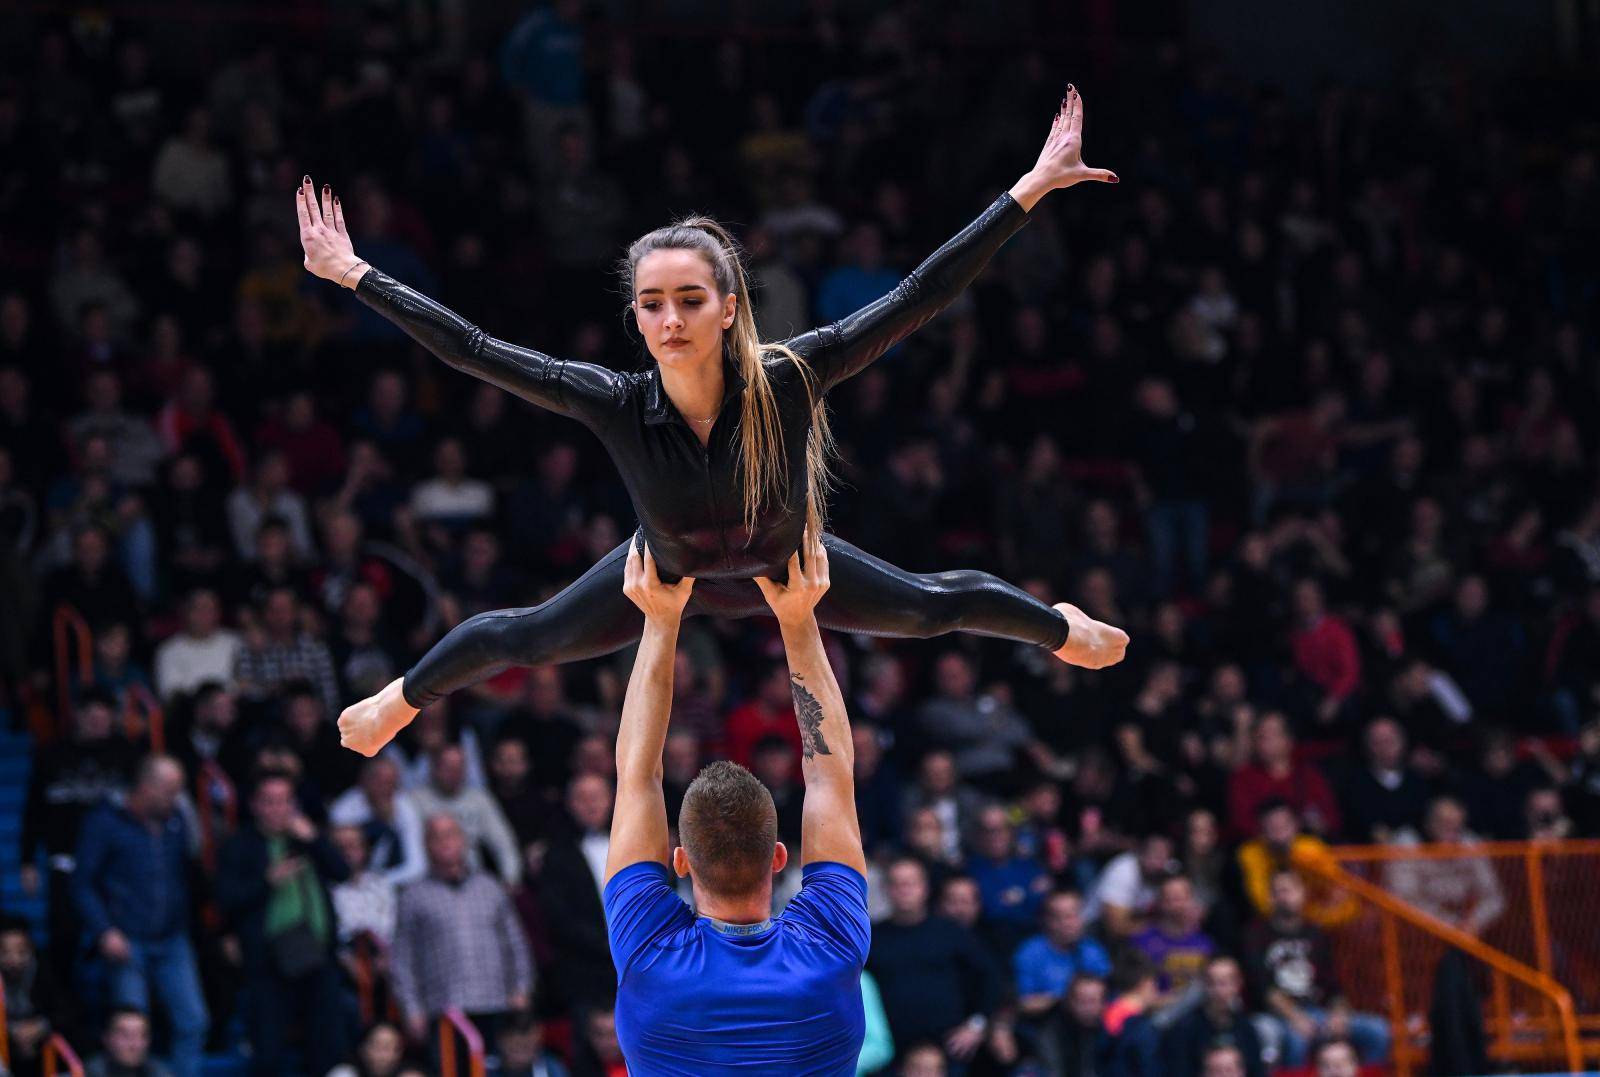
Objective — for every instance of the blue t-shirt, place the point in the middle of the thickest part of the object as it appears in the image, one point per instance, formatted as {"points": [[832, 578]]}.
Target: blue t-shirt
{"points": [[692, 999], [1040, 968]]}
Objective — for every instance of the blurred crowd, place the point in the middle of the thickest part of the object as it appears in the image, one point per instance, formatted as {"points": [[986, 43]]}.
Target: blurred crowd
{"points": [[1308, 404]]}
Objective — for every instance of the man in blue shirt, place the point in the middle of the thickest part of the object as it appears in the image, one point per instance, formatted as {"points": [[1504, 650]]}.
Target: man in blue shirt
{"points": [[131, 888], [733, 988], [1047, 964]]}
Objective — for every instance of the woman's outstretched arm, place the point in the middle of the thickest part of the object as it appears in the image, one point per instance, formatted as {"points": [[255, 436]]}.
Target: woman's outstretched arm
{"points": [[580, 390], [847, 346]]}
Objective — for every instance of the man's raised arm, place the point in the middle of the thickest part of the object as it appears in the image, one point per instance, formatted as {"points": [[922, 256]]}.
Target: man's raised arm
{"points": [[829, 830], [639, 823]]}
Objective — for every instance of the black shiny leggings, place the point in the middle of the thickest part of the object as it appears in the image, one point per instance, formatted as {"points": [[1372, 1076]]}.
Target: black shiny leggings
{"points": [[592, 617]]}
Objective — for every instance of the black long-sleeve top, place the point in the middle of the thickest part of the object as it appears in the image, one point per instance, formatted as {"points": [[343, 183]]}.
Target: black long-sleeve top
{"points": [[689, 498], [932, 976]]}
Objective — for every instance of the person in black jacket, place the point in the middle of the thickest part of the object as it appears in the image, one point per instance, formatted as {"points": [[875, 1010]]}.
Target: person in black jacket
{"points": [[69, 777], [723, 446], [937, 981], [1219, 1019], [272, 884], [582, 975]]}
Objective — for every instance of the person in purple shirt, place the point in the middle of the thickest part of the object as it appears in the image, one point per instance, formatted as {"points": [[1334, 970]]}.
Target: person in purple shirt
{"points": [[725, 986], [1046, 964], [1173, 941]]}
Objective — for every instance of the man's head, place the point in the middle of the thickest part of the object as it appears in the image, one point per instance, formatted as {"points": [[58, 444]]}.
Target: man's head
{"points": [[273, 804], [1086, 1000], [521, 1042], [1386, 744], [351, 841], [1155, 856], [589, 802], [1270, 740], [956, 677], [1062, 918], [16, 950], [1446, 822], [601, 1031], [1223, 983], [908, 890], [923, 1060], [1222, 1060], [447, 847], [380, 780], [202, 614], [1176, 906], [127, 1038], [774, 762], [729, 829], [1278, 824], [156, 785], [447, 770], [995, 833], [1336, 1058], [961, 900], [937, 774], [508, 762], [93, 718], [1288, 895]]}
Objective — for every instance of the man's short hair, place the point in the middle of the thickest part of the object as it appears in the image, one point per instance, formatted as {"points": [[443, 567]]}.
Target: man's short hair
{"points": [[729, 828], [1272, 804], [119, 1012]]}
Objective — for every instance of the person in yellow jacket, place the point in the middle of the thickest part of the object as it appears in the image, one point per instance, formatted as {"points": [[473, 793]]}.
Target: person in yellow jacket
{"points": [[1282, 845]]}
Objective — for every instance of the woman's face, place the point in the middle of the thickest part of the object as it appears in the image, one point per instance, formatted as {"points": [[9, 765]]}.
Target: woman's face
{"points": [[382, 1050], [681, 312]]}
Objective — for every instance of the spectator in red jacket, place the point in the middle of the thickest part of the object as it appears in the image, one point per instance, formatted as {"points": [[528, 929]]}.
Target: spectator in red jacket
{"points": [[770, 713], [1274, 773], [1325, 652]]}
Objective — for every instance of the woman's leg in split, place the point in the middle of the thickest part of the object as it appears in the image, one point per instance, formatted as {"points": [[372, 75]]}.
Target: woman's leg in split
{"points": [[588, 618]]}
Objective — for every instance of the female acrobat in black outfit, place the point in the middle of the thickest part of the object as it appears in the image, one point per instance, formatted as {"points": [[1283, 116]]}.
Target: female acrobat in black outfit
{"points": [[723, 445]]}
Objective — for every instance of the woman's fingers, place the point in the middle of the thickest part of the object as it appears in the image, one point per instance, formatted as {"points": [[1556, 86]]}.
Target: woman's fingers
{"points": [[301, 209], [1074, 110], [1101, 175], [327, 205], [338, 217]]}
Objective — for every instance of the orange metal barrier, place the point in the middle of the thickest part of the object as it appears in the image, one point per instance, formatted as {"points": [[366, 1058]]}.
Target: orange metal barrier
{"points": [[70, 632], [213, 790], [56, 1051], [453, 1022], [1528, 913], [142, 714]]}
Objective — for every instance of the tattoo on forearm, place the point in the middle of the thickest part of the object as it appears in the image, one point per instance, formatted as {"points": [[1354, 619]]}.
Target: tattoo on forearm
{"points": [[809, 712]]}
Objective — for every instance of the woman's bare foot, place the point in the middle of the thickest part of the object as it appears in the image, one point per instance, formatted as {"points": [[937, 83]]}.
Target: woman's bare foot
{"points": [[367, 726], [1090, 643]]}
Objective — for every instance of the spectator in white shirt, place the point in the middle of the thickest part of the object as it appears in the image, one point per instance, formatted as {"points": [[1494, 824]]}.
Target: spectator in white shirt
{"points": [[203, 651], [269, 495], [389, 820], [1124, 894], [450, 497], [483, 823], [365, 902]]}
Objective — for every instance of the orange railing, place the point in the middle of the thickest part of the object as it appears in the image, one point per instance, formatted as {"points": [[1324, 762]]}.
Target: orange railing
{"points": [[368, 979], [70, 633], [453, 1022], [56, 1051], [1527, 956], [142, 715], [213, 788]]}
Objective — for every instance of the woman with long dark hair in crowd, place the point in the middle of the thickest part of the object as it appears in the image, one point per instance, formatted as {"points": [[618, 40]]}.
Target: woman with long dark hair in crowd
{"points": [[723, 446]]}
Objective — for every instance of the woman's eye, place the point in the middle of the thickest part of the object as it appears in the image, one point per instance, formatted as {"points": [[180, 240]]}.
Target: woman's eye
{"points": [[651, 306], [692, 302]]}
